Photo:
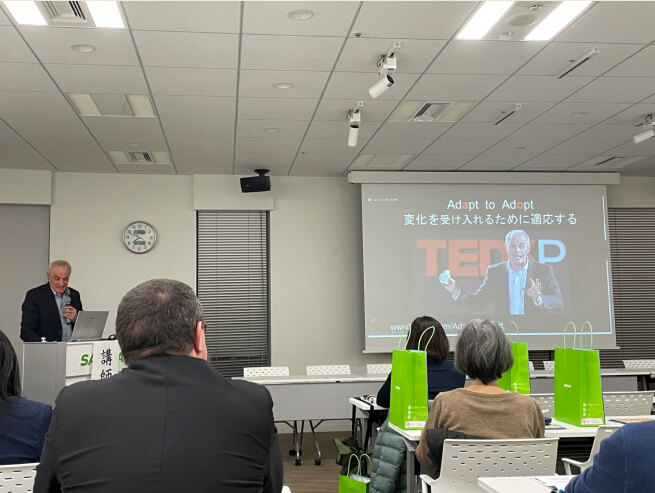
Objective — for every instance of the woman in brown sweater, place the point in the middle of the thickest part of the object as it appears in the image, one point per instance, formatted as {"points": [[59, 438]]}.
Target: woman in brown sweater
{"points": [[483, 409]]}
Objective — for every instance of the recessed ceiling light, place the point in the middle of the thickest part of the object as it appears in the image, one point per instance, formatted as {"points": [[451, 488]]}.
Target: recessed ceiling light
{"points": [[283, 85], [271, 129], [26, 13], [300, 15], [106, 14], [132, 144], [83, 48], [483, 20], [563, 14], [580, 114]]}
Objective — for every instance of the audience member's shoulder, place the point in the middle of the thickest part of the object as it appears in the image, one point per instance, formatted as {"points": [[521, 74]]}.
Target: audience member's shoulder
{"points": [[30, 409], [251, 388], [639, 431], [450, 395]]}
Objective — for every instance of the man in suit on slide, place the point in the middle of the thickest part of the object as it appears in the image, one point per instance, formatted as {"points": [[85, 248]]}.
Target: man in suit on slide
{"points": [[518, 286], [50, 310], [168, 422]]}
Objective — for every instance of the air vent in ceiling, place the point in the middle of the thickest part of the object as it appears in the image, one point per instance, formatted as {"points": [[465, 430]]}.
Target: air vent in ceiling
{"points": [[431, 111], [66, 14], [607, 162], [140, 157]]}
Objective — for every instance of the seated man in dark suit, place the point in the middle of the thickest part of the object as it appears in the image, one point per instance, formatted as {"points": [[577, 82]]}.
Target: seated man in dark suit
{"points": [[50, 310], [167, 423]]}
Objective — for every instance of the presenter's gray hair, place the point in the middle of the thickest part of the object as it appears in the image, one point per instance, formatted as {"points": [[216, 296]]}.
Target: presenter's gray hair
{"points": [[157, 317], [516, 232], [483, 351], [60, 263]]}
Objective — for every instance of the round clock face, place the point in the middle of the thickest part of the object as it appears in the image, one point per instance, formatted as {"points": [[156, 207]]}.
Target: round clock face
{"points": [[139, 237]]}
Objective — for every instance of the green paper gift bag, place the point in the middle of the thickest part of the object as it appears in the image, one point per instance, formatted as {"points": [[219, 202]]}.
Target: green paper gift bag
{"points": [[409, 387], [578, 389], [355, 483], [517, 378]]}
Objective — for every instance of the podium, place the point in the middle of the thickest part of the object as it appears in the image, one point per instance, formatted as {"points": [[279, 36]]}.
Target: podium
{"points": [[50, 366]]}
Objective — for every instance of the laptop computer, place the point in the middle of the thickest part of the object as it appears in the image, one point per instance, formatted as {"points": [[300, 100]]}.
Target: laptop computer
{"points": [[89, 326]]}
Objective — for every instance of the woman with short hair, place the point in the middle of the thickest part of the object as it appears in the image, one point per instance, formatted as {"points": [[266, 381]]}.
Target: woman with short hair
{"points": [[483, 409], [23, 423]]}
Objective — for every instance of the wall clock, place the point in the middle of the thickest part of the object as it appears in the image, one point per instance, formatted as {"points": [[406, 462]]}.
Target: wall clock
{"points": [[139, 237]]}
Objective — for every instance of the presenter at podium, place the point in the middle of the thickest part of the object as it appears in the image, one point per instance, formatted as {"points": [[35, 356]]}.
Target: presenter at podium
{"points": [[50, 310], [517, 286]]}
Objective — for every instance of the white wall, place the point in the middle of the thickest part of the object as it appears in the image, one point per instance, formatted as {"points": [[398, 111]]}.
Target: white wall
{"points": [[316, 256], [88, 214]]}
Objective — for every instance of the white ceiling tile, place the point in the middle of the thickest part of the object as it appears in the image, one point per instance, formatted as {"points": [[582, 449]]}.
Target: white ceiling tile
{"points": [[204, 161], [321, 129], [159, 169], [493, 162], [278, 164], [412, 130], [4, 20], [483, 57], [395, 146], [448, 87], [115, 132], [549, 131], [580, 112], [435, 162], [465, 147], [327, 146], [16, 104], [494, 111], [355, 85], [422, 20], [259, 83], [117, 79], [329, 19], [278, 108], [192, 81], [537, 88], [289, 52], [374, 110], [582, 148], [484, 131], [14, 48], [199, 134], [557, 57], [630, 149], [285, 129], [605, 132], [209, 17], [53, 45], [25, 77], [384, 162], [181, 49], [641, 64], [552, 163], [362, 54], [615, 90], [634, 114], [526, 148], [335, 163], [195, 106], [613, 22], [282, 146], [645, 167], [17, 154]]}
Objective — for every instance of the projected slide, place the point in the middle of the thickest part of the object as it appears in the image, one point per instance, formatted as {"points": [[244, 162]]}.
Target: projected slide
{"points": [[532, 257]]}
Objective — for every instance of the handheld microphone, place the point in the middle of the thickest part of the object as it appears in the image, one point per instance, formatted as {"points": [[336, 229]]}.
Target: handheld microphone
{"points": [[67, 301]]}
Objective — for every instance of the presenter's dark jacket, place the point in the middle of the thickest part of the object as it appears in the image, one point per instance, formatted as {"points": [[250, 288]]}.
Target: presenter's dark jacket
{"points": [[624, 464], [442, 377], [164, 424], [495, 289], [41, 315]]}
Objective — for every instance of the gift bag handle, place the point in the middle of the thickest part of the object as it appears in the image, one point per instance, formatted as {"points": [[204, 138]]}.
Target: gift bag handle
{"points": [[359, 464], [418, 346], [409, 333], [518, 332]]}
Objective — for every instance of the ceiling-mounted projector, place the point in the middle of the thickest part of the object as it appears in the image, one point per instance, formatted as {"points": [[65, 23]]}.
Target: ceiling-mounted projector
{"points": [[261, 183]]}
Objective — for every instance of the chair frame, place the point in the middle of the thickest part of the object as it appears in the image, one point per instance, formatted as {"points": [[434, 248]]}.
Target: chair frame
{"points": [[549, 365], [638, 403], [639, 364], [378, 368], [266, 371], [601, 434], [464, 461], [546, 403], [18, 478]]}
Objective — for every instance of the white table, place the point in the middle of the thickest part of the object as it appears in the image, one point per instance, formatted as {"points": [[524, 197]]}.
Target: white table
{"points": [[523, 484], [367, 412]]}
